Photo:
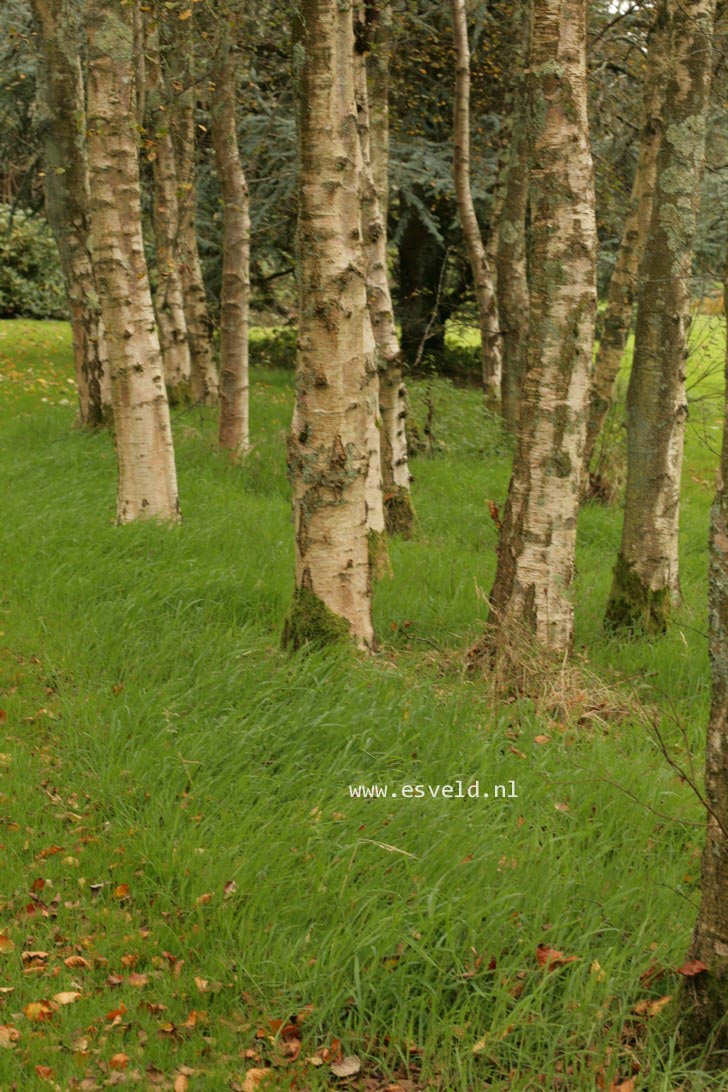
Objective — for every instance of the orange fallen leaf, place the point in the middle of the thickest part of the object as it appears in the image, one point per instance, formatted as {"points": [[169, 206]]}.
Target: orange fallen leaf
{"points": [[138, 980], [116, 1013], [542, 739], [39, 1010], [44, 1072], [122, 891], [76, 961], [119, 1061], [254, 1077], [692, 967], [651, 1008], [6, 944], [550, 958]]}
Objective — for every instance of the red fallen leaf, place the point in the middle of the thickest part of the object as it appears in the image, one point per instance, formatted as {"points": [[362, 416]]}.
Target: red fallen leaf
{"points": [[44, 1072], [653, 972], [49, 852], [202, 900], [3, 715], [122, 891], [550, 958], [39, 1010], [116, 1013], [119, 1061], [692, 967], [38, 884]]}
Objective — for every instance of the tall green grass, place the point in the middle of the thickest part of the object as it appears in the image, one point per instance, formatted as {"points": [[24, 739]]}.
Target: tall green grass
{"points": [[156, 737]]}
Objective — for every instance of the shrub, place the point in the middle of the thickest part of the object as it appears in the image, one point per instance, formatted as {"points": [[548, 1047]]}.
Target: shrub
{"points": [[31, 282]]}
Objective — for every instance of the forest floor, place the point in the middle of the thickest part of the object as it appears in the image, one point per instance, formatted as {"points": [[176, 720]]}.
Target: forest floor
{"points": [[189, 894]]}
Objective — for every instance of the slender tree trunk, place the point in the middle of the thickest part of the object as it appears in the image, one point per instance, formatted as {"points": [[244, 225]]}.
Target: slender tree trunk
{"points": [[199, 324], [623, 282], [537, 540], [482, 276], [705, 997], [327, 451], [235, 298], [421, 260], [147, 477], [169, 297], [389, 474], [510, 257], [62, 124], [646, 580]]}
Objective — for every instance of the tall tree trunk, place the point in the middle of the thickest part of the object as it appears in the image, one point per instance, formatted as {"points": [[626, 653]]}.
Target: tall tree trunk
{"points": [[510, 255], [537, 540], [235, 298], [327, 450], [147, 477], [62, 125], [169, 297], [398, 510], [617, 319], [199, 324], [482, 276], [646, 579], [705, 996], [421, 261], [376, 284]]}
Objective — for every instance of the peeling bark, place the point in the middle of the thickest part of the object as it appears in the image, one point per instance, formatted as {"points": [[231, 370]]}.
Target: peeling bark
{"points": [[62, 125], [617, 319], [537, 540], [327, 449], [646, 580], [147, 486], [169, 297], [705, 997], [235, 299], [482, 275]]}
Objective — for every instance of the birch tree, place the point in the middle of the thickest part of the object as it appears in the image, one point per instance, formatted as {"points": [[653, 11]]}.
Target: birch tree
{"points": [[235, 297], [398, 509], [482, 276], [327, 450], [537, 540], [147, 485], [617, 319], [169, 297], [61, 120], [646, 580]]}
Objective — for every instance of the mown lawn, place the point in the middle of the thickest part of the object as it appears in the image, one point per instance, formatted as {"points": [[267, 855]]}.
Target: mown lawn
{"points": [[177, 834]]}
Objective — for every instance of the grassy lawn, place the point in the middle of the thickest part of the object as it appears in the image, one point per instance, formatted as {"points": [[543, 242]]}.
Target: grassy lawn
{"points": [[177, 836]]}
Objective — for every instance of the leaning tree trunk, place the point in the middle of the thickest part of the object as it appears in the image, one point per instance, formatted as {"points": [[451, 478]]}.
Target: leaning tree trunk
{"points": [[510, 257], [327, 450], [62, 124], [482, 276], [147, 477], [617, 318], [646, 582], [705, 996], [199, 324], [235, 298], [537, 539], [398, 510], [169, 298]]}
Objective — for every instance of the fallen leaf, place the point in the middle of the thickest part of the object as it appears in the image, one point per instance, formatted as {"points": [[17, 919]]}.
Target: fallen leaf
{"points": [[39, 1010], [622, 1086], [651, 1008], [562, 807], [34, 958], [692, 967], [6, 944], [550, 958], [348, 1067], [116, 1013], [122, 891], [76, 961], [67, 997], [229, 889], [138, 980], [119, 1061], [254, 1077], [8, 1036], [44, 1072], [542, 739], [181, 1084]]}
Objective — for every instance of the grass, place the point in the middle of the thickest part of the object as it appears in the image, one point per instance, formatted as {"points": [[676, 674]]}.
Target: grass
{"points": [[174, 801]]}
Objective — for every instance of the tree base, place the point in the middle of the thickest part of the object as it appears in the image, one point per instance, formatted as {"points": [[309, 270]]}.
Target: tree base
{"points": [[399, 515], [310, 622], [632, 605], [705, 1024]]}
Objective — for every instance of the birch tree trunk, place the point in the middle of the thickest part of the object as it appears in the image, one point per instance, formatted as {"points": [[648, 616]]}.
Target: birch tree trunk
{"points": [[169, 297], [623, 282], [327, 450], [235, 298], [537, 540], [398, 510], [646, 581], [482, 276], [705, 996], [199, 325], [62, 125], [510, 255], [147, 477]]}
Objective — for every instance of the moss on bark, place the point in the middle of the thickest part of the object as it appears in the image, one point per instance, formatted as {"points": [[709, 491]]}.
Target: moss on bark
{"points": [[705, 1020], [310, 622], [399, 514], [633, 605], [379, 563]]}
